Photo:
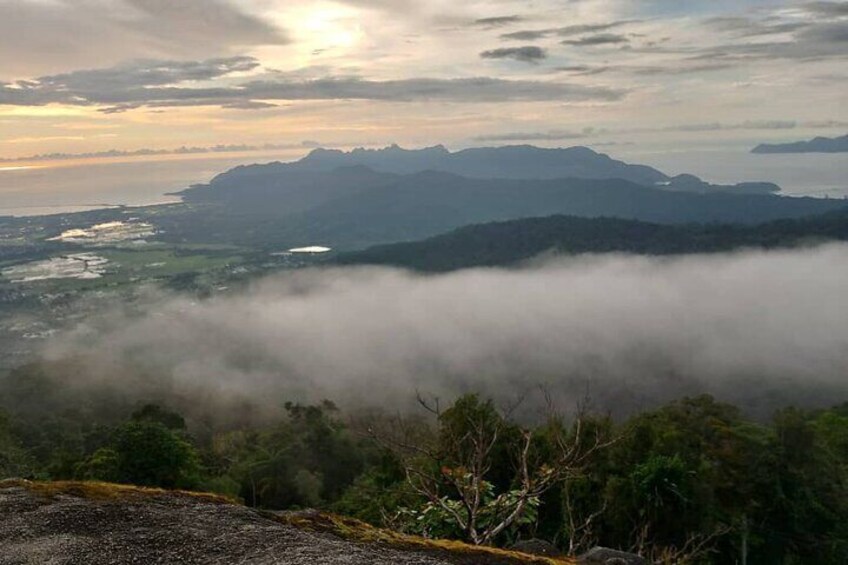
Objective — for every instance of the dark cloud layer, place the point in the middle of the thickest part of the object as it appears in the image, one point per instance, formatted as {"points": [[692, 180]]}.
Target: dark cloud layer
{"points": [[497, 21], [599, 39], [171, 83], [526, 54], [566, 31]]}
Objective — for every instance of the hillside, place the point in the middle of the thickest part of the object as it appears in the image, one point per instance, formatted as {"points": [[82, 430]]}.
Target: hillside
{"points": [[505, 243], [97, 523], [353, 208], [815, 145]]}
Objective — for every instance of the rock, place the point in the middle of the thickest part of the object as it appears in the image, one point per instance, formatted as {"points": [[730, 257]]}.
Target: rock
{"points": [[537, 547], [99, 524], [605, 556]]}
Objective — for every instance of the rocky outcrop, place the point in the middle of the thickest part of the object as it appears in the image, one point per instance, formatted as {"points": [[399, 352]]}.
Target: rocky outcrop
{"points": [[537, 547], [98, 524], [605, 556]]}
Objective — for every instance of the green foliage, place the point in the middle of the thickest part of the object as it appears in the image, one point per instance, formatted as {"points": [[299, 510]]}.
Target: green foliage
{"points": [[145, 453], [14, 461], [103, 465], [436, 520], [377, 494], [156, 413], [309, 459], [510, 242], [695, 472]]}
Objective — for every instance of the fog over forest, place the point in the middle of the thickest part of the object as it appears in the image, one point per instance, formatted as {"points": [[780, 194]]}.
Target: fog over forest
{"points": [[761, 329]]}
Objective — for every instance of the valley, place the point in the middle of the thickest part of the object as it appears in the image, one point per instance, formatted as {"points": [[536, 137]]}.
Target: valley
{"points": [[329, 207]]}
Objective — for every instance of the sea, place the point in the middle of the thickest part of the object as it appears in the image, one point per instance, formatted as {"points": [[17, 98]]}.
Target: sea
{"points": [[65, 186], [41, 188]]}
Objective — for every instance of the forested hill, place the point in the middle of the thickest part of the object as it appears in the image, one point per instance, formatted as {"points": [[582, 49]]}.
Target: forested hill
{"points": [[505, 243], [354, 208]]}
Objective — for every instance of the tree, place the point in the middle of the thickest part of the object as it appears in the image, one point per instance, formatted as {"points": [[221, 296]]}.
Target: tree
{"points": [[481, 473], [145, 453], [14, 461], [307, 459], [156, 413]]}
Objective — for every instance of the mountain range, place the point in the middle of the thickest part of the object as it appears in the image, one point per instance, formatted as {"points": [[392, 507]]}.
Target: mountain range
{"points": [[331, 198], [518, 162]]}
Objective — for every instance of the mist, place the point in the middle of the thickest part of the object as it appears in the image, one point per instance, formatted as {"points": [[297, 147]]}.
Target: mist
{"points": [[760, 329]]}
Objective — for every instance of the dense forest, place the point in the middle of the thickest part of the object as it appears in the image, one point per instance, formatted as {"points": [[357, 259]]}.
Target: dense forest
{"points": [[510, 242], [694, 481]]}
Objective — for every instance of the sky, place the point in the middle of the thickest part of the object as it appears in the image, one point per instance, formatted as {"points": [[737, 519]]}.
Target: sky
{"points": [[82, 76]]}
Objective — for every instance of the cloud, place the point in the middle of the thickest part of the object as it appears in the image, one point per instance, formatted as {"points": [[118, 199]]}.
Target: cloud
{"points": [[526, 35], [551, 135], [747, 27], [147, 74], [591, 132], [827, 8], [748, 125], [752, 125], [497, 21], [526, 54], [687, 67], [36, 35], [387, 5], [756, 328], [566, 31], [173, 84], [590, 28], [594, 40], [816, 41], [248, 105], [117, 153], [583, 70]]}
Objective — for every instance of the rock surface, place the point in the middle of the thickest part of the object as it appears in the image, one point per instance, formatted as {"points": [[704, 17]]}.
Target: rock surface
{"points": [[40, 525], [605, 556], [537, 547]]}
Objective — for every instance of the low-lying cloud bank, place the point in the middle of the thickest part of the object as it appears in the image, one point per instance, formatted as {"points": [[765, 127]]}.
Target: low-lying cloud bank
{"points": [[760, 329]]}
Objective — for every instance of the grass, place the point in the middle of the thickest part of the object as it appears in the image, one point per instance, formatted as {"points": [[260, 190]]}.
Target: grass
{"points": [[360, 532], [168, 263], [93, 490]]}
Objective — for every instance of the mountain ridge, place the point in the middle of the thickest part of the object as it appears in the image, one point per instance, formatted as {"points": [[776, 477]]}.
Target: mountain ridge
{"points": [[815, 145], [515, 241], [515, 162]]}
